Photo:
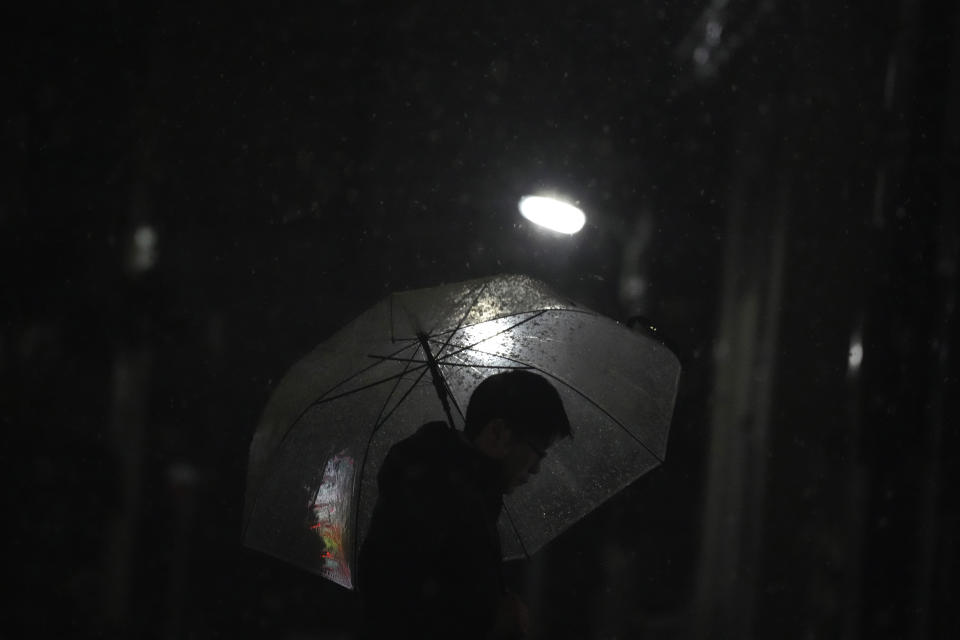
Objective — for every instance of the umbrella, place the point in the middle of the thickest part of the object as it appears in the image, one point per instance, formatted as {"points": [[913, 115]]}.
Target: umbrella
{"points": [[311, 483]]}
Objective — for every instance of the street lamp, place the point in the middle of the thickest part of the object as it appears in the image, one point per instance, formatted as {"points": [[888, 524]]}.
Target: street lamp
{"points": [[551, 213]]}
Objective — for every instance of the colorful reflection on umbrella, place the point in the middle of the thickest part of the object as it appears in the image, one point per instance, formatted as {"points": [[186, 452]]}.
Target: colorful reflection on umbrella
{"points": [[330, 513]]}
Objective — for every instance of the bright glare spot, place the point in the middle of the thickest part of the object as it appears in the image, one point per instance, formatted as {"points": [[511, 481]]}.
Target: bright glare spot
{"points": [[490, 338], [552, 214], [145, 238], [856, 355], [701, 55], [144, 250], [632, 287], [713, 32]]}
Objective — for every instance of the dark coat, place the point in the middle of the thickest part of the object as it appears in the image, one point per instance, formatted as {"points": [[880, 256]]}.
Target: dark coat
{"points": [[430, 566]]}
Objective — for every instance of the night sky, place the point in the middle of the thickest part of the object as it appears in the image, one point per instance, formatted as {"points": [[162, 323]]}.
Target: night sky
{"points": [[196, 196]]}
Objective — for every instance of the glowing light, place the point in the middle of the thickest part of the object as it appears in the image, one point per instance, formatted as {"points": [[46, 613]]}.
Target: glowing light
{"points": [[855, 356], [143, 251], [553, 214], [713, 32], [701, 55]]}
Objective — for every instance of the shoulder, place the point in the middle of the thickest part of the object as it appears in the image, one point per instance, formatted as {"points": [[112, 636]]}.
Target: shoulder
{"points": [[431, 439], [430, 448], [435, 431]]}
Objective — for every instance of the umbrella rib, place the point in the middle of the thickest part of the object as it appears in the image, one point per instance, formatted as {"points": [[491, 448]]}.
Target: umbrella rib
{"points": [[443, 380], [450, 363], [407, 369], [463, 318], [536, 314], [501, 332], [322, 400], [578, 392], [362, 388], [547, 373], [381, 420], [444, 359], [366, 452], [322, 397], [395, 358], [443, 388]]}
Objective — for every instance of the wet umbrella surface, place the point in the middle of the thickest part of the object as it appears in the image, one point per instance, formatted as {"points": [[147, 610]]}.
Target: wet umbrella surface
{"points": [[315, 456]]}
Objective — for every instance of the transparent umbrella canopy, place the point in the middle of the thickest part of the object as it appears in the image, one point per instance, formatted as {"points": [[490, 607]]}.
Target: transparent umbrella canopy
{"points": [[314, 458]]}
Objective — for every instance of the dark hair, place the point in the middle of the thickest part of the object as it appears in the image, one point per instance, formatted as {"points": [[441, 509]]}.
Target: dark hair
{"points": [[526, 401]]}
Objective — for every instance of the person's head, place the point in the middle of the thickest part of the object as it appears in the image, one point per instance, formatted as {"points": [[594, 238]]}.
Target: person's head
{"points": [[514, 417]]}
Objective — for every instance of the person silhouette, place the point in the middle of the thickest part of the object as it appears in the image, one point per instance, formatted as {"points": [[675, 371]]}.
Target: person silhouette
{"points": [[430, 565]]}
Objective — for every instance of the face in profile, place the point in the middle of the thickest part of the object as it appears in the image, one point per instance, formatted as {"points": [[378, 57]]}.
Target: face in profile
{"points": [[523, 457]]}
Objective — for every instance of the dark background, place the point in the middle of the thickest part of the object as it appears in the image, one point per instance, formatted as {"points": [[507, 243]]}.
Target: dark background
{"points": [[195, 197]]}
